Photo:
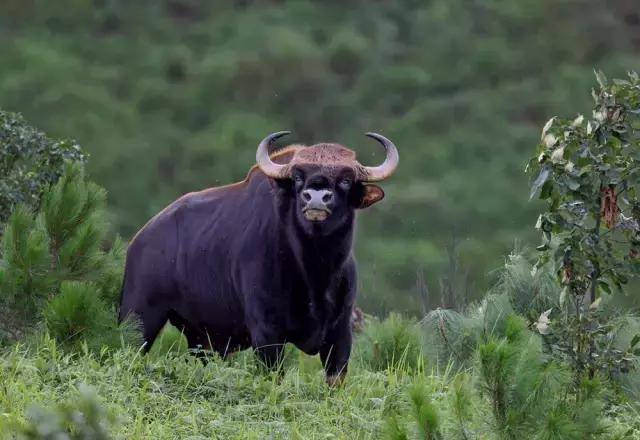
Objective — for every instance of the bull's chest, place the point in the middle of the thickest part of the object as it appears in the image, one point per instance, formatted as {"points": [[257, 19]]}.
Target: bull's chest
{"points": [[307, 329], [311, 311]]}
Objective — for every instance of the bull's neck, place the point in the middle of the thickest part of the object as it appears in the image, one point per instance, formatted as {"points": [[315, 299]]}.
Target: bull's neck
{"points": [[321, 257]]}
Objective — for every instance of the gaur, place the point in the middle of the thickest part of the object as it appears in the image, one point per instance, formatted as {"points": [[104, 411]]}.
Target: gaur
{"points": [[262, 262]]}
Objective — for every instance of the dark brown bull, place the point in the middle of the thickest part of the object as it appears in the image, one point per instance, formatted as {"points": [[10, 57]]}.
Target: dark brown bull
{"points": [[262, 262]]}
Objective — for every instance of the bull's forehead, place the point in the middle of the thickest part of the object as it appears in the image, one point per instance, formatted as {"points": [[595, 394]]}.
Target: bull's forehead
{"points": [[326, 155]]}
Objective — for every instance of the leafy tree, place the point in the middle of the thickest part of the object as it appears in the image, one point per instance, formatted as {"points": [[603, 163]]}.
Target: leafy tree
{"points": [[29, 162], [588, 171]]}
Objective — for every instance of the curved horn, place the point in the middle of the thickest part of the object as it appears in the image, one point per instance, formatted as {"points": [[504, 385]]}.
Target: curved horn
{"points": [[390, 163], [265, 163]]}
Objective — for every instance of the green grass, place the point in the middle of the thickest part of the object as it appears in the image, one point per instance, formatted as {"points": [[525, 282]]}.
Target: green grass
{"points": [[170, 395]]}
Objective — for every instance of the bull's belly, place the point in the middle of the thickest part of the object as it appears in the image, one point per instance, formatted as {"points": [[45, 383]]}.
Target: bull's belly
{"points": [[223, 330], [309, 340]]}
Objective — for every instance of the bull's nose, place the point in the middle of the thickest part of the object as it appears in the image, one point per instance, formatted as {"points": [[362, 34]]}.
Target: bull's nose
{"points": [[317, 197]]}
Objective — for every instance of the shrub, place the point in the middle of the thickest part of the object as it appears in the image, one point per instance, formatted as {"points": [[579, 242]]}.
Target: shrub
{"points": [[25, 264], [170, 340], [424, 416], [77, 314], [29, 162], [530, 292], [449, 337], [460, 406], [394, 343], [53, 266], [530, 397], [83, 418], [587, 173]]}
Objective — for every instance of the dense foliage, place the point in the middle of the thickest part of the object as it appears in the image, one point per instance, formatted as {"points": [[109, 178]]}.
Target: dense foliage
{"points": [[172, 96], [509, 390], [548, 353], [54, 269], [29, 162], [588, 172]]}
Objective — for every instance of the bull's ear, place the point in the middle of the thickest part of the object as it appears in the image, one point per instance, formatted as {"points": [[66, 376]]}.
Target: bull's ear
{"points": [[370, 195]]}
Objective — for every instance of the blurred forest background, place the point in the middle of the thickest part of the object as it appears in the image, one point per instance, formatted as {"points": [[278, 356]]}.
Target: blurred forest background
{"points": [[173, 96]]}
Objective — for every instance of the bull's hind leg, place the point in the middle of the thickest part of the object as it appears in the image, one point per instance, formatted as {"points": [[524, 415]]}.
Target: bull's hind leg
{"points": [[151, 320], [198, 342]]}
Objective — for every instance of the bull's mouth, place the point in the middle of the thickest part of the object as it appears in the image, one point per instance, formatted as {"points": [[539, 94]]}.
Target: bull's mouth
{"points": [[316, 215]]}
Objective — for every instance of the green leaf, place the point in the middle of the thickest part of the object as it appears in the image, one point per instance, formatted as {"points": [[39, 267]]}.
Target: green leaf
{"points": [[546, 191], [540, 180], [605, 287], [634, 341], [573, 184], [601, 78], [546, 127], [563, 296], [539, 222]]}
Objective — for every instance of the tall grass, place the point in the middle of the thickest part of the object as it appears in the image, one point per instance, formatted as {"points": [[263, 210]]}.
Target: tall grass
{"points": [[169, 394], [172, 395]]}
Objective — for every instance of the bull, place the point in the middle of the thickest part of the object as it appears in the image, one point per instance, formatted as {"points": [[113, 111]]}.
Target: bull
{"points": [[262, 262]]}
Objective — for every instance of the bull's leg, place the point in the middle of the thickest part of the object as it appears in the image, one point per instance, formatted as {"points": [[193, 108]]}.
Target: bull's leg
{"points": [[268, 346], [336, 350], [152, 322], [135, 304], [199, 343]]}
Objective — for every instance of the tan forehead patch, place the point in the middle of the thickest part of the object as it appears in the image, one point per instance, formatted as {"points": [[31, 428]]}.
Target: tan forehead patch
{"points": [[325, 154]]}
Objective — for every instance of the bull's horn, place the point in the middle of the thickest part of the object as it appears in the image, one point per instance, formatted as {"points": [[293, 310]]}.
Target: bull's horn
{"points": [[390, 163], [265, 163]]}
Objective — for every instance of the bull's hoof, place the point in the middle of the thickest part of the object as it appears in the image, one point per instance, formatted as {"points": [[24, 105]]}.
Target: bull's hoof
{"points": [[335, 380]]}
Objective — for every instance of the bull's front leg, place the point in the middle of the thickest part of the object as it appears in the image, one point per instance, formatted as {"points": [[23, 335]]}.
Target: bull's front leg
{"points": [[336, 350], [268, 345], [267, 337]]}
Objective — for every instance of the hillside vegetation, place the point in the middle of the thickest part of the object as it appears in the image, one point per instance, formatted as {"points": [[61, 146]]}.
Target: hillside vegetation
{"points": [[536, 358], [169, 96], [172, 96]]}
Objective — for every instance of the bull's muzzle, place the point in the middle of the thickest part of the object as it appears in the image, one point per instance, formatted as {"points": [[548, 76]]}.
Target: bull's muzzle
{"points": [[316, 201]]}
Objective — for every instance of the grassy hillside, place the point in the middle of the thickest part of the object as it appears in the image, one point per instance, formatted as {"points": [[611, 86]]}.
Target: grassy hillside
{"points": [[172, 96], [173, 396]]}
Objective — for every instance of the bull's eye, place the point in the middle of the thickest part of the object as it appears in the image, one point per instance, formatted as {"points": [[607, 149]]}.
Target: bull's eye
{"points": [[345, 183], [298, 178]]}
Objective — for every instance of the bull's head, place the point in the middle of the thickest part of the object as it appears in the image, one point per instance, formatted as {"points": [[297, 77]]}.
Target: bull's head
{"points": [[327, 180]]}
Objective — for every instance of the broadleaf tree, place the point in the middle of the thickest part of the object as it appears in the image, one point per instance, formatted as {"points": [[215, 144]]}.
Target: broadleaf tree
{"points": [[588, 172]]}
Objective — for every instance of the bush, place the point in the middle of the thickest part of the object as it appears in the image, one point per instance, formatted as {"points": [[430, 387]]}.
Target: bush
{"points": [[78, 314], [528, 396], [24, 269], [29, 162], [449, 337], [53, 266], [83, 418], [586, 172], [530, 292], [425, 417], [519, 394], [394, 343], [170, 340]]}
